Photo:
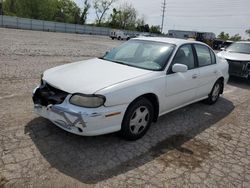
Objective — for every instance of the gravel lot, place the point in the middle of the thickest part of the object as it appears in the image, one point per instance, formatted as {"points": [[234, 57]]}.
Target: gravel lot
{"points": [[196, 146]]}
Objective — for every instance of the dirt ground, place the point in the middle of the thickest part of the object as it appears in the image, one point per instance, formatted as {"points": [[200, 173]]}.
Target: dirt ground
{"points": [[196, 146]]}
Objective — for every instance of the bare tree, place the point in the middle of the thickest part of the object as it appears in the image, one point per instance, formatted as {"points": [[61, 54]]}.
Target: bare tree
{"points": [[85, 11], [128, 16], [248, 32], [101, 7]]}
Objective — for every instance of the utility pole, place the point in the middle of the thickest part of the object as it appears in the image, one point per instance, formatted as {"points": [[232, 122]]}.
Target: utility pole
{"points": [[2, 11], [163, 14]]}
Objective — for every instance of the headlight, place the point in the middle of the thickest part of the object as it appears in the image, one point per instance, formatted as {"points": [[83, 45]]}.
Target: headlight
{"points": [[88, 101]]}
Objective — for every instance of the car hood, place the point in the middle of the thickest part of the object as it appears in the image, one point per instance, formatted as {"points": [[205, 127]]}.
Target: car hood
{"points": [[234, 56], [89, 76]]}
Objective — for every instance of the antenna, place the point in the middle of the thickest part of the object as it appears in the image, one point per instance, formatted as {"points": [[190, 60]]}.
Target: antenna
{"points": [[163, 14]]}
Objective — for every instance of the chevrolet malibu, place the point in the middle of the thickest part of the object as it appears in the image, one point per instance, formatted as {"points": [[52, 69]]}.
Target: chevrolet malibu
{"points": [[130, 87]]}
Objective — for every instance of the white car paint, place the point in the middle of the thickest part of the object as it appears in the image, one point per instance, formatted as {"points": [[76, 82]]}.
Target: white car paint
{"points": [[107, 73], [234, 56], [121, 84]]}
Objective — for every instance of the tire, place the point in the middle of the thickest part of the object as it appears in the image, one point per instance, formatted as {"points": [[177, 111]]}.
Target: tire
{"points": [[119, 38], [215, 93], [137, 119]]}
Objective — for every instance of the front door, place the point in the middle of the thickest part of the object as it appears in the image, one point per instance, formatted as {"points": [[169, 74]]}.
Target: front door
{"points": [[181, 87]]}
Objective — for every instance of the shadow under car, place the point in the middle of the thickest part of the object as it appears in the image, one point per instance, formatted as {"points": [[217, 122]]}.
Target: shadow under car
{"points": [[93, 159]]}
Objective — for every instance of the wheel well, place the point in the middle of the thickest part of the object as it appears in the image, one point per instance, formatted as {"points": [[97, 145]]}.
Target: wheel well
{"points": [[155, 102], [221, 79]]}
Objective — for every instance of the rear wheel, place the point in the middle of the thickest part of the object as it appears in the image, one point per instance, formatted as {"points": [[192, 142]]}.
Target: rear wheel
{"points": [[137, 119], [215, 93]]}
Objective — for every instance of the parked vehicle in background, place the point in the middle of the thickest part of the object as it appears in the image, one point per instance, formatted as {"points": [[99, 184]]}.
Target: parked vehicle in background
{"points": [[144, 35], [133, 35], [238, 58], [130, 87], [120, 35], [219, 44]]}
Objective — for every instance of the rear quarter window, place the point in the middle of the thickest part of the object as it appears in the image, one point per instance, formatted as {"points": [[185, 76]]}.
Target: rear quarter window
{"points": [[213, 57]]}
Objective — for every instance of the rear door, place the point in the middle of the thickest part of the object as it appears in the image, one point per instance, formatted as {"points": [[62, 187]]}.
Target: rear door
{"points": [[181, 87], [207, 69]]}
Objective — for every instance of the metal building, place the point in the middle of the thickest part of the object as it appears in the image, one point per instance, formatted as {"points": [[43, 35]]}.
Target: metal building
{"points": [[200, 36]]}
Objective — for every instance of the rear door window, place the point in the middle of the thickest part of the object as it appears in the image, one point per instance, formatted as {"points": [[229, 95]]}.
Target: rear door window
{"points": [[203, 54]]}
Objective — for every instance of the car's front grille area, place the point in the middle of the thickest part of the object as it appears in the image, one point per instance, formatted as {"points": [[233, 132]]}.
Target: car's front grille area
{"points": [[239, 68], [248, 66], [46, 95]]}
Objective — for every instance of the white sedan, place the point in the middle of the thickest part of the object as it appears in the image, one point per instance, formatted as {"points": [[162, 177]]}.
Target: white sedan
{"points": [[130, 87]]}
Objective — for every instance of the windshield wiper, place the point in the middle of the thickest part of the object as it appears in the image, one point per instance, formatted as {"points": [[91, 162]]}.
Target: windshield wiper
{"points": [[120, 62], [243, 52], [239, 52]]}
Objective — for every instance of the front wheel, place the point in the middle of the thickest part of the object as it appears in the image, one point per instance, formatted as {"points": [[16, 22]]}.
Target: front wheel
{"points": [[137, 119], [215, 93]]}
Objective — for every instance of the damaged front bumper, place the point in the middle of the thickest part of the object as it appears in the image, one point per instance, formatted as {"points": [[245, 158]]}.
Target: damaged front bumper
{"points": [[239, 68], [78, 120], [62, 117]]}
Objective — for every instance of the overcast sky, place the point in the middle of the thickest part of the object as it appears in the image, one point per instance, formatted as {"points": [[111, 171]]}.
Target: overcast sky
{"points": [[232, 16]]}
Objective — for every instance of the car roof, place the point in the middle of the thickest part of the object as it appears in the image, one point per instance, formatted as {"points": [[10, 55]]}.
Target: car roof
{"points": [[175, 41]]}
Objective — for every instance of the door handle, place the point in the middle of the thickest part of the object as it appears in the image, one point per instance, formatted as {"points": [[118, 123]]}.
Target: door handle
{"points": [[194, 76]]}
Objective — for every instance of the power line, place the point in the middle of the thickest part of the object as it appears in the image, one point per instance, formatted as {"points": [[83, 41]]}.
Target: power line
{"points": [[197, 2], [206, 26], [209, 16], [163, 14]]}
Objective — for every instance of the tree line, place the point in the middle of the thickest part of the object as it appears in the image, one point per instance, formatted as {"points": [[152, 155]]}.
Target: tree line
{"points": [[124, 16], [225, 36]]}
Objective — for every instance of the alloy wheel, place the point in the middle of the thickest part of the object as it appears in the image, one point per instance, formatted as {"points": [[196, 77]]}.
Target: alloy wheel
{"points": [[139, 120]]}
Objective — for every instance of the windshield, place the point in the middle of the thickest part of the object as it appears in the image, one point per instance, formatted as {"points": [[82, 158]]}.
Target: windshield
{"points": [[142, 54], [239, 48]]}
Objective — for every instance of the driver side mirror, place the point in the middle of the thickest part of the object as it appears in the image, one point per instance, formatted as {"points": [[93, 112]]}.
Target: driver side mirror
{"points": [[179, 68], [223, 49]]}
